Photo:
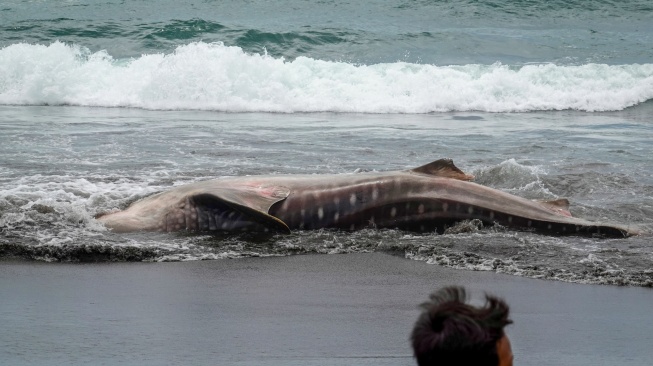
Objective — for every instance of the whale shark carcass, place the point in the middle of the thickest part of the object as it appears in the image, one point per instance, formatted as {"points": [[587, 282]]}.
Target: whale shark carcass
{"points": [[428, 198]]}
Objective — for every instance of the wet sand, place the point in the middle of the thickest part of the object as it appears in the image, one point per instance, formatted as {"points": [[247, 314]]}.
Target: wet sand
{"points": [[353, 309]]}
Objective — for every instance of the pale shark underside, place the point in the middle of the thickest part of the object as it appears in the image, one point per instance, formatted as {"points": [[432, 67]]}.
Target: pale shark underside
{"points": [[428, 198]]}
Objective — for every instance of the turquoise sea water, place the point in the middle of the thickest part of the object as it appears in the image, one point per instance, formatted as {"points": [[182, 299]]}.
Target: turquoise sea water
{"points": [[429, 32], [106, 102]]}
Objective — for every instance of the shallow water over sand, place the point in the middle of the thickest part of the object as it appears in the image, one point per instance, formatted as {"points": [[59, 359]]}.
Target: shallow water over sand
{"points": [[63, 165]]}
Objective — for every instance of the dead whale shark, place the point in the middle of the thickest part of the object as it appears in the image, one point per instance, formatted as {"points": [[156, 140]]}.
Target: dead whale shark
{"points": [[428, 198]]}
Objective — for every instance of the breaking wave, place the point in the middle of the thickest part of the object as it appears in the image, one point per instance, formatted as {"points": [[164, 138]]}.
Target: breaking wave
{"points": [[212, 76]]}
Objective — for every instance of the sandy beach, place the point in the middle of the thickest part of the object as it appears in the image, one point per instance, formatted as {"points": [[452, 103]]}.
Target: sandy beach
{"points": [[354, 309]]}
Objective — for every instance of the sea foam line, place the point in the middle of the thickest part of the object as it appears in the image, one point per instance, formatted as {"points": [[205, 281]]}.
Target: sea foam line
{"points": [[211, 76]]}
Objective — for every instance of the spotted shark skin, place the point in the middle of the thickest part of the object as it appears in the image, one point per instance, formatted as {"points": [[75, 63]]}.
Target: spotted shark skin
{"points": [[428, 198]]}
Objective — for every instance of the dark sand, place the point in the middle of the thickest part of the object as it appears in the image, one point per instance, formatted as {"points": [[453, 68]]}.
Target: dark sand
{"points": [[353, 309]]}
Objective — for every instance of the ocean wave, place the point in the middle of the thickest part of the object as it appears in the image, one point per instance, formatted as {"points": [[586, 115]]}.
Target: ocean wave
{"points": [[212, 76], [517, 178]]}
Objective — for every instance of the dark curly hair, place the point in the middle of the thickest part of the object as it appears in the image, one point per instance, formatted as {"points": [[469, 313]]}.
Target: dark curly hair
{"points": [[451, 332]]}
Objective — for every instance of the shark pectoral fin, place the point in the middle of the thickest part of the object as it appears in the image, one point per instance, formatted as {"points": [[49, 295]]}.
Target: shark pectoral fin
{"points": [[443, 168], [253, 202], [264, 219], [560, 206]]}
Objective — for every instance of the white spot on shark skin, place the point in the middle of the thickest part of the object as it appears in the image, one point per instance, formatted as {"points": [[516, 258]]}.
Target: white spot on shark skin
{"points": [[510, 219], [352, 227], [420, 209], [491, 215], [336, 216], [422, 228], [445, 207], [320, 213], [375, 194], [231, 214], [564, 228], [393, 212], [548, 226], [352, 199], [336, 201], [470, 209], [303, 213], [224, 225], [266, 230]]}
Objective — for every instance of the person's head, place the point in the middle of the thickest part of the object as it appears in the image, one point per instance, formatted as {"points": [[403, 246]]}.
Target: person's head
{"points": [[451, 332]]}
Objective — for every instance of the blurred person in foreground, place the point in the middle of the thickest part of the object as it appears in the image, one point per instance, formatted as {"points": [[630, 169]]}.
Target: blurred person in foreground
{"points": [[451, 332]]}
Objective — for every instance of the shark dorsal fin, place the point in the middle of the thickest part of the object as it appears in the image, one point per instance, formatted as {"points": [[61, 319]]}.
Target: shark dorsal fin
{"points": [[443, 168], [560, 206]]}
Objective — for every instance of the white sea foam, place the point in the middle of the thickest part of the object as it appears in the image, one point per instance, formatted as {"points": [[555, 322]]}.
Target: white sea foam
{"points": [[212, 76], [59, 210]]}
